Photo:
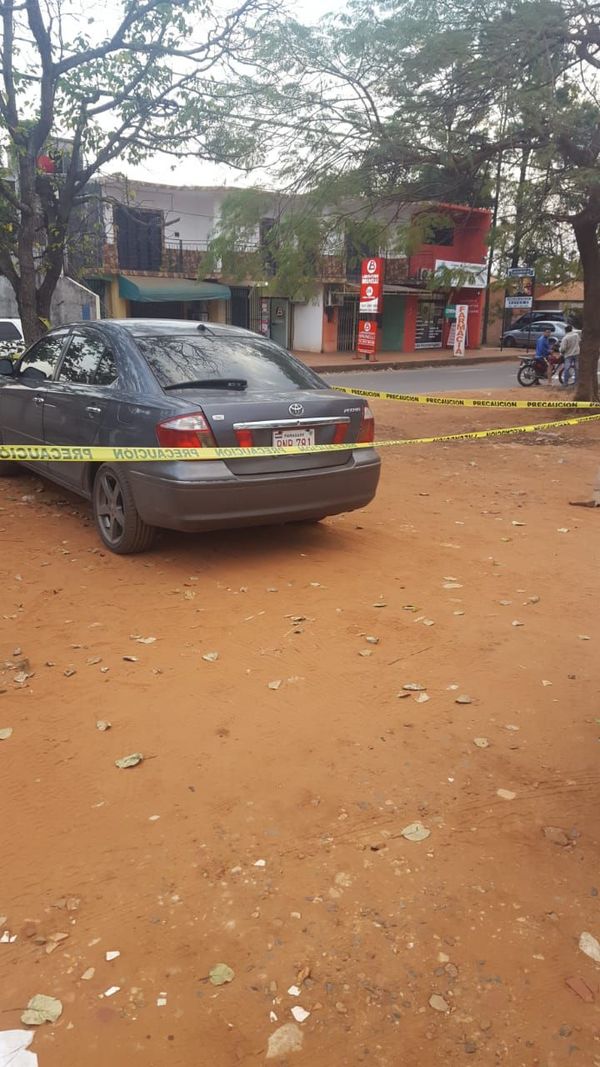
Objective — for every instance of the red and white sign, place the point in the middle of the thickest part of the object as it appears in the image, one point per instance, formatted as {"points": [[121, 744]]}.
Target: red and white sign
{"points": [[371, 286], [367, 337], [460, 332]]}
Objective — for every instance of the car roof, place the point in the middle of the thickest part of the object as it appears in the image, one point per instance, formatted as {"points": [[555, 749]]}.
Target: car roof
{"points": [[165, 327]]}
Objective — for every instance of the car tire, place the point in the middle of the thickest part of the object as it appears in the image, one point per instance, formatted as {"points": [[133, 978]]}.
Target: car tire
{"points": [[509, 342], [115, 514]]}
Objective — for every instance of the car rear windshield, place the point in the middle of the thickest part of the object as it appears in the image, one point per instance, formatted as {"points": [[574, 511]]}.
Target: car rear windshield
{"points": [[259, 363], [8, 331]]}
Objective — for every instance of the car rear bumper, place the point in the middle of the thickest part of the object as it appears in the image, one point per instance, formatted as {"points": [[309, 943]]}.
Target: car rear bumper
{"points": [[217, 499]]}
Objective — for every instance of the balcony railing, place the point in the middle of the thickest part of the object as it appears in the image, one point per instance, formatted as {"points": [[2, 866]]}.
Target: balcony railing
{"points": [[186, 258]]}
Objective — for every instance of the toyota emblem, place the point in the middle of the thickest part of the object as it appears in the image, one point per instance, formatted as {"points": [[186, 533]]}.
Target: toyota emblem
{"points": [[296, 409]]}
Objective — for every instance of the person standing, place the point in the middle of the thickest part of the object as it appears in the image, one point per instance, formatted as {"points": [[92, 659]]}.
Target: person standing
{"points": [[569, 350]]}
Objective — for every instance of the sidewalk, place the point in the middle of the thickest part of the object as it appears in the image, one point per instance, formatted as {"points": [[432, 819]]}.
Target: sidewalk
{"points": [[324, 362]]}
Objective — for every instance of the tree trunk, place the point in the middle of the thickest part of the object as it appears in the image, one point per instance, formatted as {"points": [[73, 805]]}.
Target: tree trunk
{"points": [[586, 235], [26, 291], [520, 201]]}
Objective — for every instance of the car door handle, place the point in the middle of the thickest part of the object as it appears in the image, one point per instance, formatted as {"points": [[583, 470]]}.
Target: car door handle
{"points": [[93, 411], [38, 400]]}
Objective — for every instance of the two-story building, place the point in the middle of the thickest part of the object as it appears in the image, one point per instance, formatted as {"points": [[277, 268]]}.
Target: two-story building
{"points": [[420, 290], [155, 245]]}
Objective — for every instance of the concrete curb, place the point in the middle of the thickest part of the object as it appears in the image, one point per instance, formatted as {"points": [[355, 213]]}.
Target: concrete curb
{"points": [[412, 364]]}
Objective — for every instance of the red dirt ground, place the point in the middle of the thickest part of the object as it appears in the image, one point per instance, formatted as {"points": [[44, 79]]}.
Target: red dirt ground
{"points": [[316, 778]]}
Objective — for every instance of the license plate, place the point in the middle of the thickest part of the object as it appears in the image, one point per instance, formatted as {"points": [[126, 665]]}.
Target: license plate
{"points": [[293, 438]]}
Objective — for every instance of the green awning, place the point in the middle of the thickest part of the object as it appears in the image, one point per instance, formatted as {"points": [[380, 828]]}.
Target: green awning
{"points": [[156, 290]]}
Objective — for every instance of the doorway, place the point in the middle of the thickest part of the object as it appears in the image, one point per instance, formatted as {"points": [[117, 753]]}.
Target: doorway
{"points": [[347, 330], [430, 322], [280, 321], [392, 334]]}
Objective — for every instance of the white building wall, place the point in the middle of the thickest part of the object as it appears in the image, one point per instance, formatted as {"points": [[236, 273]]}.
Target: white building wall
{"points": [[71, 302], [189, 214], [307, 331]]}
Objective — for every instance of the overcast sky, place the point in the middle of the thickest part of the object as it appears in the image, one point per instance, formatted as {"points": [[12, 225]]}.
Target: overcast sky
{"points": [[189, 172]]}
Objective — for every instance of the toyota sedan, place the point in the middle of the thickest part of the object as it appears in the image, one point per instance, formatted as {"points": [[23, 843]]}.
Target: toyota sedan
{"points": [[147, 383]]}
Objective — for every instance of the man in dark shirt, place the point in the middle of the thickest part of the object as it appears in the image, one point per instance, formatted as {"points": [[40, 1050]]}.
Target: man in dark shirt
{"points": [[543, 349]]}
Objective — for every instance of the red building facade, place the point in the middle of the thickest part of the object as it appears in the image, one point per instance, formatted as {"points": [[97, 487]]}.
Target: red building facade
{"points": [[417, 313]]}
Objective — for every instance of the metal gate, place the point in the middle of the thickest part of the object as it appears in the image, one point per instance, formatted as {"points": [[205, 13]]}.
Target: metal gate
{"points": [[238, 307], [347, 331], [254, 322]]}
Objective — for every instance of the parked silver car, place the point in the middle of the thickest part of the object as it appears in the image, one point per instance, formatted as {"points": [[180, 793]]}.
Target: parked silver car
{"points": [[149, 382], [523, 336]]}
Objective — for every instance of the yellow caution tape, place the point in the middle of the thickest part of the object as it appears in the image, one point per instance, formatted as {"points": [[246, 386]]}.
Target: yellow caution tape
{"points": [[454, 402], [104, 454]]}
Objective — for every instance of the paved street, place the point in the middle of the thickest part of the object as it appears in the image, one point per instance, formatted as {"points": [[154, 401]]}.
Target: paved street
{"points": [[433, 379]]}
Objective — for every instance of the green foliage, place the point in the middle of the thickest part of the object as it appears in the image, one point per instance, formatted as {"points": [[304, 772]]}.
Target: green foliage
{"points": [[153, 77]]}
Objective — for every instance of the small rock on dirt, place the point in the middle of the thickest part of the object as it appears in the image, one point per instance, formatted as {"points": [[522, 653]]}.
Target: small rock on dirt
{"points": [[103, 725], [481, 742], [506, 794], [129, 761], [414, 687], [589, 945], [438, 1003], [5, 733], [300, 1014], [415, 831], [286, 1039], [464, 699]]}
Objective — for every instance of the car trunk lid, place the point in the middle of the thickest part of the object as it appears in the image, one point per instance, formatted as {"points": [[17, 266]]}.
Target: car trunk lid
{"points": [[257, 419]]}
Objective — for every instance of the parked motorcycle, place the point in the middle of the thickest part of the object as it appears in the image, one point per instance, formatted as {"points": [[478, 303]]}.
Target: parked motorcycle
{"points": [[533, 371]]}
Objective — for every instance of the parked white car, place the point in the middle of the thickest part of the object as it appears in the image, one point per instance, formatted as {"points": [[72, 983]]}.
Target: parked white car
{"points": [[12, 342]]}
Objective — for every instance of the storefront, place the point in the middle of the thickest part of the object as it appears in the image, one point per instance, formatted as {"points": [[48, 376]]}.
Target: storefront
{"points": [[158, 297]]}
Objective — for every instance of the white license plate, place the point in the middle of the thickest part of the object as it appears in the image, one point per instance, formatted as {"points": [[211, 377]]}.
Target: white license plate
{"points": [[293, 438]]}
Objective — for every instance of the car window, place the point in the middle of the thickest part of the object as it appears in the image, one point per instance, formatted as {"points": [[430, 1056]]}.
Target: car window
{"points": [[86, 361], [259, 362], [106, 372], [8, 331], [40, 361]]}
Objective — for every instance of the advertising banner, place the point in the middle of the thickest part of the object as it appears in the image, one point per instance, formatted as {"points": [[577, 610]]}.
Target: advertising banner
{"points": [[371, 286], [367, 337]]}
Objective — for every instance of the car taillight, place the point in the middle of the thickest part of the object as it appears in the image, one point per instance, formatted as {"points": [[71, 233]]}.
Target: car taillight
{"points": [[186, 431], [244, 438], [366, 433], [340, 433]]}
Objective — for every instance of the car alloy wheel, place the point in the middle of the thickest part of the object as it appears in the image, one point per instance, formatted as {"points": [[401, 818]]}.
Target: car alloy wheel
{"points": [[110, 507], [119, 523]]}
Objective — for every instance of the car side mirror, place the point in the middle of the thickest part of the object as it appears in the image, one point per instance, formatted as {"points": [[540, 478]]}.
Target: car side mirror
{"points": [[7, 368]]}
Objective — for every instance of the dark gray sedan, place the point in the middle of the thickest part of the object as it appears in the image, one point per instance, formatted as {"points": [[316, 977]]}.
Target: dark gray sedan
{"points": [[147, 382]]}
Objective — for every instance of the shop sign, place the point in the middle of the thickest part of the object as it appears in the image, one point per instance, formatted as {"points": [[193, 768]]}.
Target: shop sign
{"points": [[367, 337], [467, 275], [518, 302], [460, 333], [521, 272], [371, 286]]}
